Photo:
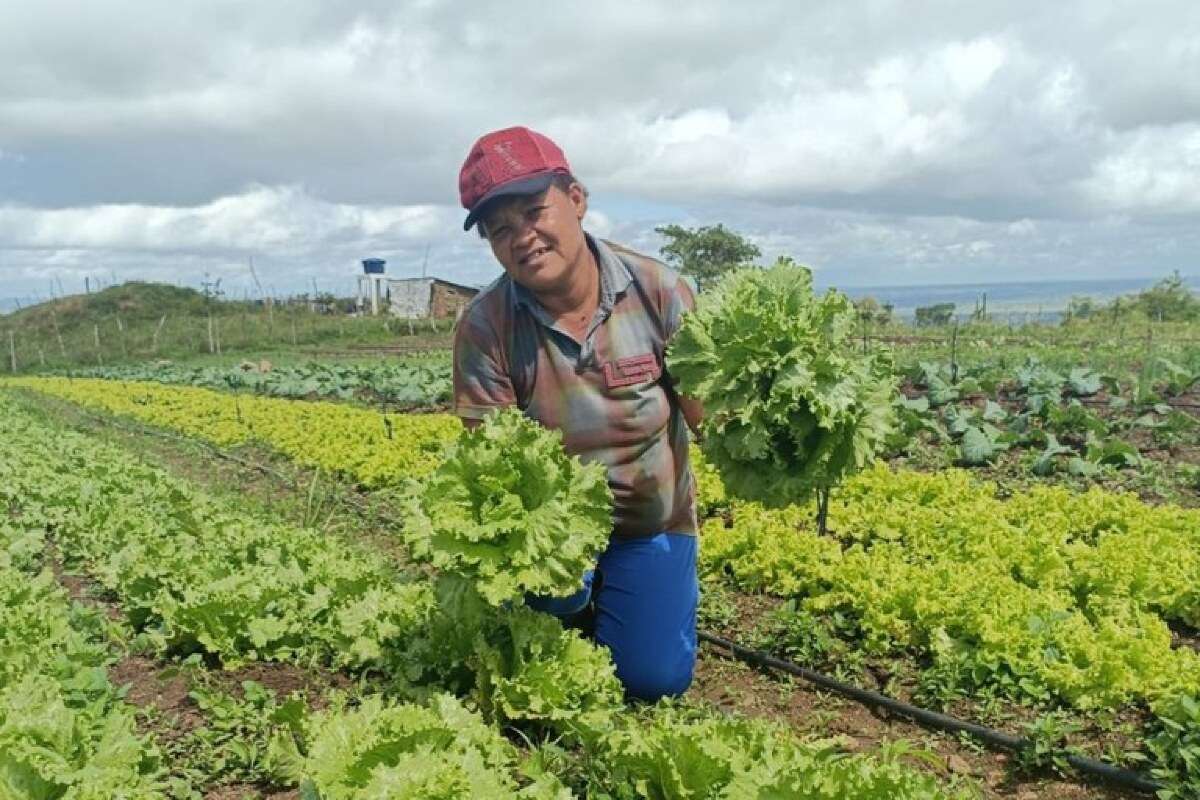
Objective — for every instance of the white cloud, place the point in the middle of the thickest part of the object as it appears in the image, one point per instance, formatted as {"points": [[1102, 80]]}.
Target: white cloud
{"points": [[1151, 170], [281, 219], [933, 135]]}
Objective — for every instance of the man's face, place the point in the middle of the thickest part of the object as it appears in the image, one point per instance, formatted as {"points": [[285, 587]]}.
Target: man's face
{"points": [[538, 238]]}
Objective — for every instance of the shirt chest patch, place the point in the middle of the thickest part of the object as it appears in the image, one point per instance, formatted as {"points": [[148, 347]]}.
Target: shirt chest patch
{"points": [[631, 370]]}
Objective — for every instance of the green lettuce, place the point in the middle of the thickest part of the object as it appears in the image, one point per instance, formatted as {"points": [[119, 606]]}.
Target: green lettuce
{"points": [[438, 751], [677, 752], [510, 511], [790, 406]]}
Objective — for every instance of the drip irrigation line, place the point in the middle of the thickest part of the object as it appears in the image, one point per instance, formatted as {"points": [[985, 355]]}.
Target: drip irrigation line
{"points": [[931, 719]]}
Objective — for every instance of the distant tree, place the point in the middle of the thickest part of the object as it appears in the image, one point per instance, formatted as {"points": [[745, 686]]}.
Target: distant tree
{"points": [[872, 312], [1169, 300], [940, 314], [1081, 307], [707, 252]]}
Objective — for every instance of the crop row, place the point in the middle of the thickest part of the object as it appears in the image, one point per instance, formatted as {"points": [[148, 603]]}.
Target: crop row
{"points": [[1052, 593], [64, 729], [368, 447], [410, 383], [192, 575]]}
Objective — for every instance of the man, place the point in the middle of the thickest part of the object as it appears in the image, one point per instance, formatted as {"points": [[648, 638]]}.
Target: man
{"points": [[574, 334]]}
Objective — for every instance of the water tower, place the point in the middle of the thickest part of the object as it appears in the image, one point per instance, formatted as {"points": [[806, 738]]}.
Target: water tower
{"points": [[371, 283]]}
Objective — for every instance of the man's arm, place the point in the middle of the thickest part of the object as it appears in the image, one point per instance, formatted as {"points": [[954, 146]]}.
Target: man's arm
{"points": [[480, 385], [693, 412]]}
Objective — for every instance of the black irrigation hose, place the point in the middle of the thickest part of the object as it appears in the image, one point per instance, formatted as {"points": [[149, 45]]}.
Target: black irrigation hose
{"points": [[931, 719]]}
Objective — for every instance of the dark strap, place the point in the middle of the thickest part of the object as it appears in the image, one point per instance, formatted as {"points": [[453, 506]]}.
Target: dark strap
{"points": [[523, 356]]}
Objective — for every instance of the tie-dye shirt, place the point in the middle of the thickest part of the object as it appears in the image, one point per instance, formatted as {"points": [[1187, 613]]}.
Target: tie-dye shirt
{"points": [[606, 394]]}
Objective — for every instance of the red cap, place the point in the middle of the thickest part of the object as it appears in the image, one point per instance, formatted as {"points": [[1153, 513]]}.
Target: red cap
{"points": [[506, 162]]}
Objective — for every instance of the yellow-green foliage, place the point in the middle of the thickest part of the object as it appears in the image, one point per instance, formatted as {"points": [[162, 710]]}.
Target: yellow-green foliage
{"points": [[336, 437], [1051, 593]]}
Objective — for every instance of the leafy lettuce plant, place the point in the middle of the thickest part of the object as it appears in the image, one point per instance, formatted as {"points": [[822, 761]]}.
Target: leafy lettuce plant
{"points": [[679, 752], [510, 511], [791, 407], [439, 751]]}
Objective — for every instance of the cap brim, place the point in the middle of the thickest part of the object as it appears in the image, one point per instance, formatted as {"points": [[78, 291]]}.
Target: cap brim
{"points": [[531, 185]]}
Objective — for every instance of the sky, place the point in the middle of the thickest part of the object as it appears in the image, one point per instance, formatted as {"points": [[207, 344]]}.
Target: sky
{"points": [[881, 142]]}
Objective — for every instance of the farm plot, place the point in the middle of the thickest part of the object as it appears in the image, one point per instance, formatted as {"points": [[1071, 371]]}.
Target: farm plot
{"points": [[193, 577], [1034, 423], [1068, 616]]}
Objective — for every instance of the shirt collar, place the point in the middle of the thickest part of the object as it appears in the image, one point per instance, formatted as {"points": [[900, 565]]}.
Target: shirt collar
{"points": [[614, 278]]}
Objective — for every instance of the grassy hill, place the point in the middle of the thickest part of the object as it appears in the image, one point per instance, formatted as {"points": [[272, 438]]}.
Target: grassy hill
{"points": [[138, 321], [134, 302]]}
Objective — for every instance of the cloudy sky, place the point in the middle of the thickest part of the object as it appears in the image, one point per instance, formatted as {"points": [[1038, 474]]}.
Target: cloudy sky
{"points": [[880, 141]]}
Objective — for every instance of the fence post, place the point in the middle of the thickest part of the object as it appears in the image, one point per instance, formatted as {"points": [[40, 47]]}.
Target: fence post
{"points": [[12, 351], [954, 354], [121, 330], [157, 330], [62, 349]]}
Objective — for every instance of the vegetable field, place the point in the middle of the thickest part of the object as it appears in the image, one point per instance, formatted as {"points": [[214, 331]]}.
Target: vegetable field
{"points": [[440, 677], [306, 582]]}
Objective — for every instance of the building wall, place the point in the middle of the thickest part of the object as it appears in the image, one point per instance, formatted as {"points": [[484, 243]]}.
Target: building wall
{"points": [[447, 300], [410, 297]]}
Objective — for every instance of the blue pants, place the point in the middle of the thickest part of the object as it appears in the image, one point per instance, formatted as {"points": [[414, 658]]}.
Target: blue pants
{"points": [[645, 597]]}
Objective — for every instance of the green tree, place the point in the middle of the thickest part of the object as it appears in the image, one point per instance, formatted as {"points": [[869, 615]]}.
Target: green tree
{"points": [[872, 312], [935, 315], [707, 252], [1169, 300], [1082, 307]]}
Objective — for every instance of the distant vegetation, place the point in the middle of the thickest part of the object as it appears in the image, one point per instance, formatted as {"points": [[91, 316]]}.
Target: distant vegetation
{"points": [[139, 321], [1169, 300]]}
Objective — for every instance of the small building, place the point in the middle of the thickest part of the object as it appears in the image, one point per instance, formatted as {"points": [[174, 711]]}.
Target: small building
{"points": [[423, 298]]}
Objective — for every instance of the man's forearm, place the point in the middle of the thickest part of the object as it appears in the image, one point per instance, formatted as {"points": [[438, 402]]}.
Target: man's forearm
{"points": [[693, 413]]}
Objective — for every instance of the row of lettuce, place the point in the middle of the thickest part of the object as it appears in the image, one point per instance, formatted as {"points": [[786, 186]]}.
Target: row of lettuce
{"points": [[1052, 597], [64, 729], [448, 664]]}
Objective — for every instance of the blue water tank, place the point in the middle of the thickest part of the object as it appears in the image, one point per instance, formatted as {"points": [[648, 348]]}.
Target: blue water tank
{"points": [[373, 266]]}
